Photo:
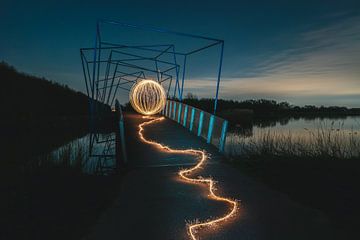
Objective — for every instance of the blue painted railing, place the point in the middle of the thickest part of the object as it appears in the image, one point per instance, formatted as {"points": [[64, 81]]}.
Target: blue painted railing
{"points": [[211, 128], [120, 135]]}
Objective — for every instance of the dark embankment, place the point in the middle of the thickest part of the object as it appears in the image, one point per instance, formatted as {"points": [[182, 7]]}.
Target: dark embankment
{"points": [[37, 115], [44, 200]]}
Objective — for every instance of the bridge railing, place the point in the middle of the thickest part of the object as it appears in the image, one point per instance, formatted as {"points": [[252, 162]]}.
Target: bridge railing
{"points": [[211, 128], [121, 155]]}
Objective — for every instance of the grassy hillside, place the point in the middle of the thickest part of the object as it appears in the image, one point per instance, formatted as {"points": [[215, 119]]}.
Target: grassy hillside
{"points": [[37, 115], [42, 199], [23, 96]]}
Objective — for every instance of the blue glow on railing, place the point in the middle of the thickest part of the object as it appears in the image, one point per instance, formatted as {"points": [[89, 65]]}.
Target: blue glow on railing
{"points": [[174, 112], [210, 130], [185, 115], [223, 136], [200, 123], [166, 108], [172, 108], [163, 110], [179, 113], [122, 137], [192, 119], [169, 111]]}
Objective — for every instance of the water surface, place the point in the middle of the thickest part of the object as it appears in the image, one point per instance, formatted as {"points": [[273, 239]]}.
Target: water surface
{"points": [[305, 131]]}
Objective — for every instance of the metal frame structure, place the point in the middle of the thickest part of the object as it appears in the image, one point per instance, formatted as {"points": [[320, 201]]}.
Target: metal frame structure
{"points": [[111, 66]]}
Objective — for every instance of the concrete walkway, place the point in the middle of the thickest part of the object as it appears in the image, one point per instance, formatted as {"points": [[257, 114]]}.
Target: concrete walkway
{"points": [[153, 203]]}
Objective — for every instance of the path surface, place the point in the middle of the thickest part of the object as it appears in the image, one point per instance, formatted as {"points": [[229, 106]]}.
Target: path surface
{"points": [[153, 202]]}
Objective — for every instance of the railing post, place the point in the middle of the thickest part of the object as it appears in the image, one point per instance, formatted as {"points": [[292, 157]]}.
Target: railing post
{"points": [[223, 136], [166, 108], [120, 136], [200, 123], [174, 112], [192, 119], [210, 129], [185, 115], [169, 111], [179, 113], [163, 110]]}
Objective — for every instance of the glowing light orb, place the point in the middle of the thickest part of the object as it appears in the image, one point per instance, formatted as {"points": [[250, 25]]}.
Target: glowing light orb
{"points": [[147, 97]]}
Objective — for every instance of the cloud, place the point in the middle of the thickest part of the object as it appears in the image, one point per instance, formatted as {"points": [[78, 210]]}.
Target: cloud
{"points": [[322, 64], [323, 51]]}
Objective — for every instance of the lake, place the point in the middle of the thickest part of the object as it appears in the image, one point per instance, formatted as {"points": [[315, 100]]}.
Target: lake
{"points": [[302, 134], [75, 154], [286, 136]]}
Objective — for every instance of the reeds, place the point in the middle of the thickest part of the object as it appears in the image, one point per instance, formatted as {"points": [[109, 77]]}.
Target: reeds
{"points": [[72, 155], [326, 141]]}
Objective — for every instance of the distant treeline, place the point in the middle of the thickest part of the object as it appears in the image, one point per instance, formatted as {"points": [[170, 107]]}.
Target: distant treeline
{"points": [[265, 113], [269, 107]]}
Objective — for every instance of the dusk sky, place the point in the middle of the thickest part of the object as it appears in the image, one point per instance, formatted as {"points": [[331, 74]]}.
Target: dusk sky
{"points": [[304, 52]]}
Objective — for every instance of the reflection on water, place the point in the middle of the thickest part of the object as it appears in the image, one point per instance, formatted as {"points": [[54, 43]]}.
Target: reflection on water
{"points": [[300, 135], [75, 154]]}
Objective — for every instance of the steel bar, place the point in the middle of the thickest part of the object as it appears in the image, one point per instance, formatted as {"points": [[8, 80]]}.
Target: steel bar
{"points": [[183, 79], [177, 73], [219, 76], [83, 67], [112, 83], [203, 48], [140, 48]]}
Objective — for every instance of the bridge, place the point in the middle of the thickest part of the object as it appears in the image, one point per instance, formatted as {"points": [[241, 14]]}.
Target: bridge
{"points": [[177, 183], [154, 203]]}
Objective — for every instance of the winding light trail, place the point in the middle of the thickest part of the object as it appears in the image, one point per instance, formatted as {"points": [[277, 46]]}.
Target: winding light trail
{"points": [[192, 228]]}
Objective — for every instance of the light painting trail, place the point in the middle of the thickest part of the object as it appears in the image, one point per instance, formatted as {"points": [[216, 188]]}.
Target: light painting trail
{"points": [[192, 228]]}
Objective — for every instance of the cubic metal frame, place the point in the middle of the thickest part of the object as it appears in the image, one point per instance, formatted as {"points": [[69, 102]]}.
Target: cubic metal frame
{"points": [[104, 89], [92, 80]]}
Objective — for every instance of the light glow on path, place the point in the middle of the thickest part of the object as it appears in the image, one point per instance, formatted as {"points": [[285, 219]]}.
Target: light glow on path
{"points": [[184, 174]]}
